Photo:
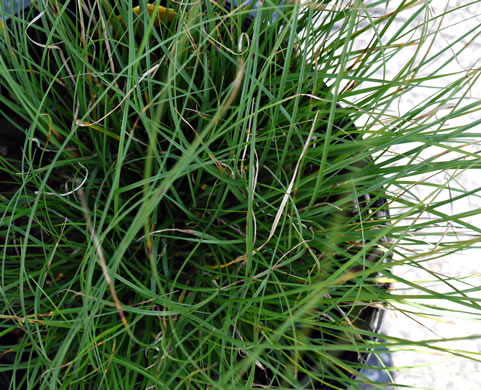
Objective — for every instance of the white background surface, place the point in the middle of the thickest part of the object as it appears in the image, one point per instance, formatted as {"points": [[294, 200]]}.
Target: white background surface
{"points": [[431, 369]]}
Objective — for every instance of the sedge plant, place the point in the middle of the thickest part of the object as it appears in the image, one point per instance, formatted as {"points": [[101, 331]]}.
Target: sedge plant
{"points": [[203, 195]]}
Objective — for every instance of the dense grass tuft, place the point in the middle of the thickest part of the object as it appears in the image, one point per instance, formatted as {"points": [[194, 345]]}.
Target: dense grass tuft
{"points": [[195, 198]]}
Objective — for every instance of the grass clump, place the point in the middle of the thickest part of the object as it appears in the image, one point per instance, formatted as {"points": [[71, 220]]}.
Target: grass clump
{"points": [[189, 200]]}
